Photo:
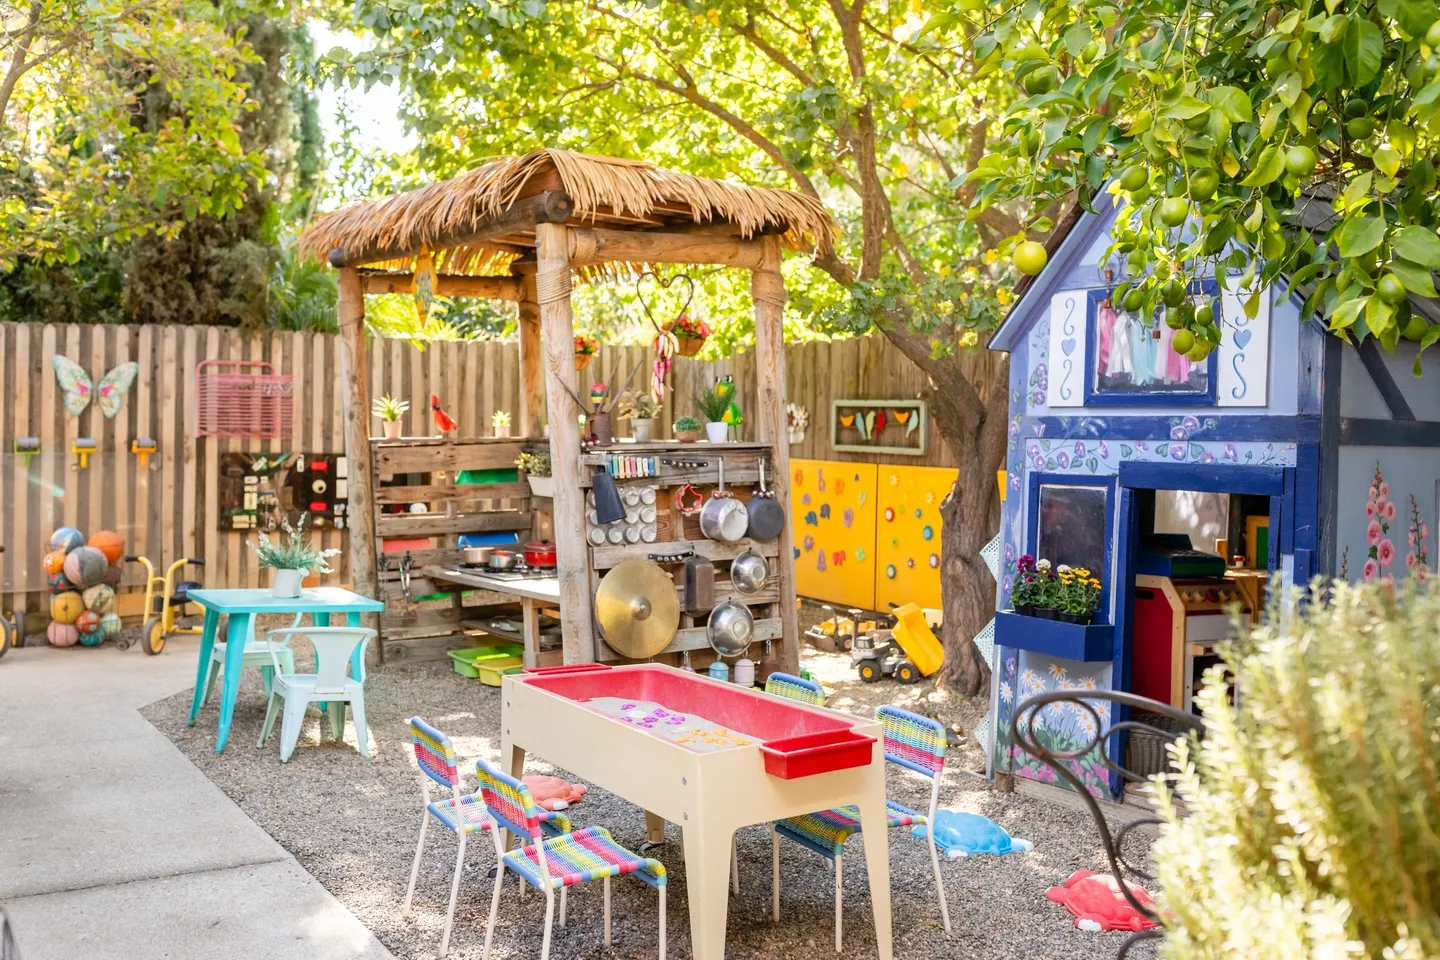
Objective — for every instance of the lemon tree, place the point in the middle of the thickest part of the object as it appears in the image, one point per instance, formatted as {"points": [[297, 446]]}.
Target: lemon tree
{"points": [[1249, 141]]}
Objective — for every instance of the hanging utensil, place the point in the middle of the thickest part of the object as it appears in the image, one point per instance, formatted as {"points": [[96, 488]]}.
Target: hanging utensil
{"points": [[730, 629], [608, 507], [765, 517], [723, 517], [637, 609], [749, 573], [406, 563]]}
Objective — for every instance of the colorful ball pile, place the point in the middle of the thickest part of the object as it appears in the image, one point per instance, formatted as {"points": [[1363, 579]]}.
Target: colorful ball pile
{"points": [[82, 576]]}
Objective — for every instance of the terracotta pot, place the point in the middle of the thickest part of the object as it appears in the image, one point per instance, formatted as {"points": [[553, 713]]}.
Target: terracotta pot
{"points": [[392, 429], [687, 436]]}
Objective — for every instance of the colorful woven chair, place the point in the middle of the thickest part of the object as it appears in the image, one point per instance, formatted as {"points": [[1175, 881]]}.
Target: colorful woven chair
{"points": [[795, 688], [914, 742], [555, 863], [459, 813]]}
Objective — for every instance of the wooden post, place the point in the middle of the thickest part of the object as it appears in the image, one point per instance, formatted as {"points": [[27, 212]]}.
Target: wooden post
{"points": [[532, 360], [354, 374], [557, 335], [767, 290]]}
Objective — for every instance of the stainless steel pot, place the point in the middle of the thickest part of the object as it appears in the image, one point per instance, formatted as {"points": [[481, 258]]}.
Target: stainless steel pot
{"points": [[478, 555], [748, 572], [730, 628], [723, 517], [503, 560]]}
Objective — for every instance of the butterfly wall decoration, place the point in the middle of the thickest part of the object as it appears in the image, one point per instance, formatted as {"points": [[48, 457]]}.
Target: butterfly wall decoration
{"points": [[79, 388]]}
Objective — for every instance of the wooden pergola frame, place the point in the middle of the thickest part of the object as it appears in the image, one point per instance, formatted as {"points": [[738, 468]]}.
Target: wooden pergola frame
{"points": [[549, 237]]}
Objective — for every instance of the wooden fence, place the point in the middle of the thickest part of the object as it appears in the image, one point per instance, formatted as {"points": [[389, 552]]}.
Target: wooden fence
{"points": [[171, 508]]}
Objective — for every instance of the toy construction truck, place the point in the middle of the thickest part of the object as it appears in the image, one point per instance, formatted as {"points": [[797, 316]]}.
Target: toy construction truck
{"points": [[904, 646]]}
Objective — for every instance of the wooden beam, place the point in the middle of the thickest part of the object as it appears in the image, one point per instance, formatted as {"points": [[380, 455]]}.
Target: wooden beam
{"points": [[552, 206], [767, 290], [557, 336], [446, 285], [596, 244], [532, 360], [354, 375]]}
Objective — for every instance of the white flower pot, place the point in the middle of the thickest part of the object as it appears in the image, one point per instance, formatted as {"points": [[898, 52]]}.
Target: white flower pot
{"points": [[642, 429], [287, 583], [541, 486], [717, 432], [392, 429], [502, 432]]}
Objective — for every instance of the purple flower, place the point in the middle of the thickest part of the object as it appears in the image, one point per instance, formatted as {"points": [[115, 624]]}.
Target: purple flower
{"points": [[1190, 424], [1010, 665], [1014, 428], [1015, 481], [1177, 452], [1141, 445], [1042, 369], [1230, 453], [1063, 459], [1009, 552], [1079, 449], [1179, 433], [1037, 397], [1207, 457], [1038, 462], [1104, 450], [1007, 584]]}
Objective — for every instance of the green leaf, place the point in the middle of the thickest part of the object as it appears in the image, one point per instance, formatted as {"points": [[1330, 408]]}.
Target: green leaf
{"points": [[1360, 235], [1232, 103], [1347, 313], [1268, 168], [1357, 191], [1414, 16], [1185, 108], [1328, 63], [1417, 279], [1075, 37], [1363, 45], [1419, 244]]}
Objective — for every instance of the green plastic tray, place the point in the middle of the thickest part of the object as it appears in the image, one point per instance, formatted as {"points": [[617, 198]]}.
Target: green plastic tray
{"points": [[465, 660]]}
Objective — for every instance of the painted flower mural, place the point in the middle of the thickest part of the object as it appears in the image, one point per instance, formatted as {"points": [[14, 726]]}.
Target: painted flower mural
{"points": [[1417, 538], [1381, 510]]}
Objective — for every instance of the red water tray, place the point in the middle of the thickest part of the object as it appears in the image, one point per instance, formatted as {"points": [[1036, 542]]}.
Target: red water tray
{"points": [[812, 753]]}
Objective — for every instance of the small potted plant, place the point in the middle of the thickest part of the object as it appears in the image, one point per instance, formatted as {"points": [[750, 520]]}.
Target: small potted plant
{"points": [[687, 429], [1025, 594], [1077, 594], [292, 558], [585, 349], [690, 334], [500, 420], [640, 409], [390, 410], [713, 404], [536, 467]]}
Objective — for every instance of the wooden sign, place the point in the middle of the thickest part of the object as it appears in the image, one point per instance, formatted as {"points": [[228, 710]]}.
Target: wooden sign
{"points": [[880, 426]]}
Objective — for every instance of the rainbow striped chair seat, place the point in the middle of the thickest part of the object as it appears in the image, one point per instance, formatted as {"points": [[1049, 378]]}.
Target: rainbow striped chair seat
{"points": [[911, 741], [555, 863]]}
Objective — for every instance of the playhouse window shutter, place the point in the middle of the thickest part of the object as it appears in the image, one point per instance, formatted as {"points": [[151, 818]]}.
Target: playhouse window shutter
{"points": [[1242, 378], [1067, 349]]}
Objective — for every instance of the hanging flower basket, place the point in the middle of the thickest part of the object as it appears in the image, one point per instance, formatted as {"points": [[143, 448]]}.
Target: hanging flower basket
{"points": [[585, 349], [582, 360], [690, 334]]}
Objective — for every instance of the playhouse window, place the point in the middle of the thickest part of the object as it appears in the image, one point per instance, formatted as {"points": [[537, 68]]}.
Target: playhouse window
{"points": [[1071, 526], [1130, 357]]}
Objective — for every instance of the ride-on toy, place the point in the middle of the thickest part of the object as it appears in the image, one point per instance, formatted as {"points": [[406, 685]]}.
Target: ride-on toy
{"points": [[161, 607], [905, 647], [842, 630]]}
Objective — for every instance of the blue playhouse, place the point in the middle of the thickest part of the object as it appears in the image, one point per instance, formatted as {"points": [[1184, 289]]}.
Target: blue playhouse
{"points": [[1189, 487]]}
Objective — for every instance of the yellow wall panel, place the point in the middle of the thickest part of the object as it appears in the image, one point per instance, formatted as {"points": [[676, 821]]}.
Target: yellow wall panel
{"points": [[907, 543], [832, 520]]}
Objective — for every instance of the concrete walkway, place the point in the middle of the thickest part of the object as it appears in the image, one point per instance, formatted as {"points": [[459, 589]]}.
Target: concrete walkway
{"points": [[112, 844]]}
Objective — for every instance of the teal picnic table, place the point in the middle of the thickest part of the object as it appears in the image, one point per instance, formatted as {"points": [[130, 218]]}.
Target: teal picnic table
{"points": [[240, 607]]}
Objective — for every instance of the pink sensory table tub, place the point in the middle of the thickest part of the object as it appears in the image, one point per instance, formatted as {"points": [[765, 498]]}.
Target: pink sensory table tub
{"points": [[782, 759]]}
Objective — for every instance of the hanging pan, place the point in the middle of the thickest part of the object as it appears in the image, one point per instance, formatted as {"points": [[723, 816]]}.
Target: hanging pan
{"points": [[766, 516], [723, 517]]}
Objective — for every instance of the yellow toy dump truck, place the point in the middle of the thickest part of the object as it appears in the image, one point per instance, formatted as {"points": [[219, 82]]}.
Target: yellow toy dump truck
{"points": [[908, 649]]}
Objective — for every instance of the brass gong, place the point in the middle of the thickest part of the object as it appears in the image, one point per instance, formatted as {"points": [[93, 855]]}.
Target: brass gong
{"points": [[637, 608]]}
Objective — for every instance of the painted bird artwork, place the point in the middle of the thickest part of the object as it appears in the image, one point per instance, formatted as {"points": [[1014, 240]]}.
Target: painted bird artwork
{"points": [[443, 421]]}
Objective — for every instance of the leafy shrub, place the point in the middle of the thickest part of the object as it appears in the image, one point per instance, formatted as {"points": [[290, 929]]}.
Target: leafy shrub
{"points": [[1313, 808]]}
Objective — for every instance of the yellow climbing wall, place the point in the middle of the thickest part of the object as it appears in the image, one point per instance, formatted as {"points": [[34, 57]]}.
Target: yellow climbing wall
{"points": [[907, 541], [832, 510], [867, 535]]}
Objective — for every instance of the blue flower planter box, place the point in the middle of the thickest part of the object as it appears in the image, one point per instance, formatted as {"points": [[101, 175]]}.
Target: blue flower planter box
{"points": [[1091, 642]]}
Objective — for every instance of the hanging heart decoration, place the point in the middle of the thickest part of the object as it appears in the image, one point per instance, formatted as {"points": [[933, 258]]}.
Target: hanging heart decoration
{"points": [[666, 343]]}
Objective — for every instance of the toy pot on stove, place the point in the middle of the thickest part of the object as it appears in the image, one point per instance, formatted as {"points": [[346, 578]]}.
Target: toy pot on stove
{"points": [[540, 553]]}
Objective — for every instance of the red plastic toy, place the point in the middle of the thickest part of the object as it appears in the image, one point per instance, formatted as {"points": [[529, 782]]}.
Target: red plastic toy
{"points": [[1097, 903], [552, 793]]}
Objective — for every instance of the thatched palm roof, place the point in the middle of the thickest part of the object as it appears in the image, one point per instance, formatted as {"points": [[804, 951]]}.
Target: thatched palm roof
{"points": [[479, 221]]}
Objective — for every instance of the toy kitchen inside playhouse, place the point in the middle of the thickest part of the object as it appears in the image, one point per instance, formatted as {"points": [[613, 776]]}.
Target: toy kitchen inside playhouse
{"points": [[1185, 612]]}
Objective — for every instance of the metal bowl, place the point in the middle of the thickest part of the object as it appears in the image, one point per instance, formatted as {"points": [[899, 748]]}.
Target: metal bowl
{"points": [[730, 629], [503, 560], [478, 555], [748, 572]]}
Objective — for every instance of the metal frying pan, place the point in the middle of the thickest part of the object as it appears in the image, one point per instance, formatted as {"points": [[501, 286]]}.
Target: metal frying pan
{"points": [[767, 517]]}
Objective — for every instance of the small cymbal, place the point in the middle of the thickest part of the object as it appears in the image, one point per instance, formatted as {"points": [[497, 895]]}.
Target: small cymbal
{"points": [[638, 609]]}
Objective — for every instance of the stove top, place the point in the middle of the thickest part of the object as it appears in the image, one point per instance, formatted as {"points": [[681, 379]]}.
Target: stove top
{"points": [[521, 572]]}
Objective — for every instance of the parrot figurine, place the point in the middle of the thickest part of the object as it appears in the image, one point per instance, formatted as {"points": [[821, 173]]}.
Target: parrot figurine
{"points": [[443, 421], [733, 417]]}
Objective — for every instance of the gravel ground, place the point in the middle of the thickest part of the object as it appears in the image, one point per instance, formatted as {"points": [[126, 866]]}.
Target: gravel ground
{"points": [[352, 823]]}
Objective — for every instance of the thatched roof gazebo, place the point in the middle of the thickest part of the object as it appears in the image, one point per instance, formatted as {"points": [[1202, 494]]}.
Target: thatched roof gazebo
{"points": [[520, 228]]}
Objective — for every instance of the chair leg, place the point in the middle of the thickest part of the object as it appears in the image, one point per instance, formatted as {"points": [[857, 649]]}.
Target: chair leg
{"points": [[774, 874], [549, 923], [210, 675], [335, 715], [415, 869], [662, 922], [495, 907], [271, 708], [267, 677], [839, 901], [564, 902], [607, 911], [362, 732], [454, 891], [939, 884], [290, 726], [735, 864]]}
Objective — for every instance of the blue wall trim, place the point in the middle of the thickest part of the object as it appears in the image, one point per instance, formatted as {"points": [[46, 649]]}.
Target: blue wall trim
{"points": [[1205, 478], [1395, 401], [1303, 429], [1359, 432], [1327, 506]]}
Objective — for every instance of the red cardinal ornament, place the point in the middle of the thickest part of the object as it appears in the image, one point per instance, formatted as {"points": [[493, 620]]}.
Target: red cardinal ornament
{"points": [[443, 421]]}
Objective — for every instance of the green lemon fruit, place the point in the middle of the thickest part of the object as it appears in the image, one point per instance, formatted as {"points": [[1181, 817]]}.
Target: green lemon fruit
{"points": [[1140, 197], [1205, 314], [1183, 341], [1359, 128], [1299, 161], [1090, 51], [1174, 318], [1415, 328], [1133, 178], [1162, 270], [1134, 299], [1029, 51], [1029, 258], [1391, 290], [1173, 293], [1432, 36], [1199, 351], [1355, 107], [1203, 184], [1042, 80], [1173, 211]]}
